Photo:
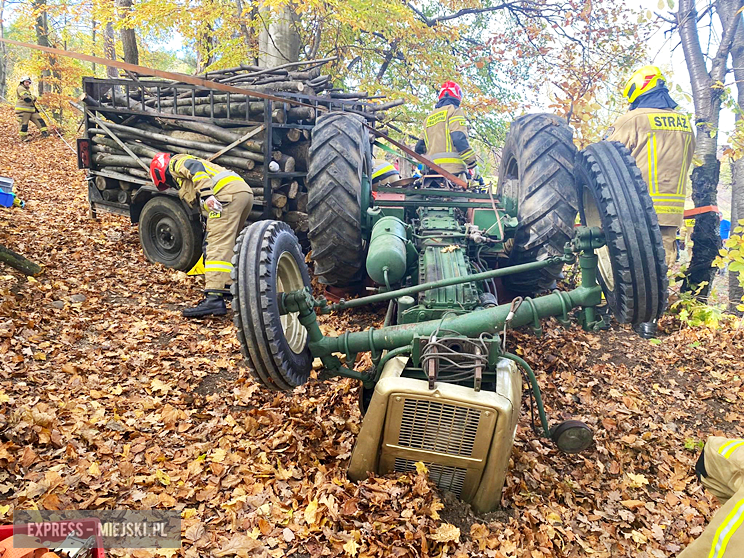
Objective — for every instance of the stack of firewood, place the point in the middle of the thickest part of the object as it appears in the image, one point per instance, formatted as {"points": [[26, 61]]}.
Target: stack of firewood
{"points": [[234, 137]]}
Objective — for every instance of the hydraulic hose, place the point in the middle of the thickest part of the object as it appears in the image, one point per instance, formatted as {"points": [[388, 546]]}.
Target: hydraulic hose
{"points": [[535, 390]]}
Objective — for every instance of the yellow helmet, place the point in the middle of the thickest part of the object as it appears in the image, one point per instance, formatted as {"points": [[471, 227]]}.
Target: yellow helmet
{"points": [[642, 81]]}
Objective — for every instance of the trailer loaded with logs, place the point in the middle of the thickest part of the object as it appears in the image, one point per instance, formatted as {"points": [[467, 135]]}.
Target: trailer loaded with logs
{"points": [[265, 141]]}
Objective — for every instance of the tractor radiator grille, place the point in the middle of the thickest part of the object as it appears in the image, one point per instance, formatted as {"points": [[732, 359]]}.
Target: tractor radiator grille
{"points": [[444, 476], [441, 427]]}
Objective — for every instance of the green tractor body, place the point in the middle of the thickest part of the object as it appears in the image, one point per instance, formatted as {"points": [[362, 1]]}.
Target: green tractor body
{"points": [[458, 269]]}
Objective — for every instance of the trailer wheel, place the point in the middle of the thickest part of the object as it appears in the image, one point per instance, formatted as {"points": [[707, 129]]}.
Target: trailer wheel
{"points": [[536, 183], [613, 196], [268, 261], [168, 234], [340, 161]]}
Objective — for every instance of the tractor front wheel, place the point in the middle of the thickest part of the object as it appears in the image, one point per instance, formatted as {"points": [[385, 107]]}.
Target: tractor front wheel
{"points": [[614, 197], [268, 261]]}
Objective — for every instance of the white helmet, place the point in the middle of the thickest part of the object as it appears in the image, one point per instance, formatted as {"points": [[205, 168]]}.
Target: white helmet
{"points": [[25, 78]]}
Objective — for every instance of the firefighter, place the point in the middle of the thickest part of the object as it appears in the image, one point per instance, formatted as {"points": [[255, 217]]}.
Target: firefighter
{"points": [[383, 173], [720, 469], [26, 110], [662, 142], [225, 201], [445, 139]]}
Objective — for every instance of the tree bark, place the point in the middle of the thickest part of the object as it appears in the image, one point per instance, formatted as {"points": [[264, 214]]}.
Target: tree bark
{"points": [[109, 49], [16, 261], [737, 181], [128, 36], [41, 26], [707, 90], [278, 40], [3, 53]]}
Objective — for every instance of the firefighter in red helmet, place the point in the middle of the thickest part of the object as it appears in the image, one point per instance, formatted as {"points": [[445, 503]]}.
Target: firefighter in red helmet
{"points": [[225, 200], [445, 139]]}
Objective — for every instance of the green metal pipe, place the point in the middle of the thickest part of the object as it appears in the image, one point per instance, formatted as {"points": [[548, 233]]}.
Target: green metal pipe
{"points": [[535, 390], [429, 203], [483, 276], [473, 324], [434, 192]]}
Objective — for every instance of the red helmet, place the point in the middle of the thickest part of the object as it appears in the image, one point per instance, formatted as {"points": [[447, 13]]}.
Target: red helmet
{"points": [[158, 166], [452, 89]]}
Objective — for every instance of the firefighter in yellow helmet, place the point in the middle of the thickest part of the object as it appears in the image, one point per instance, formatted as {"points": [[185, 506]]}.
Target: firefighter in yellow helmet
{"points": [[721, 470], [662, 142], [27, 111]]}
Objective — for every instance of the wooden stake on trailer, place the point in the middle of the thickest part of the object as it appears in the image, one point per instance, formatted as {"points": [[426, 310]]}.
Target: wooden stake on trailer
{"points": [[227, 148], [105, 128]]}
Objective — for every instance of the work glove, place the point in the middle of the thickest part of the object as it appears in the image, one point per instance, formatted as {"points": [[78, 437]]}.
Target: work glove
{"points": [[213, 204]]}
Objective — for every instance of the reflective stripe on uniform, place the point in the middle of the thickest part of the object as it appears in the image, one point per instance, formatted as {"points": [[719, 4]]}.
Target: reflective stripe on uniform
{"points": [[448, 160], [682, 182], [224, 178], [730, 447], [726, 530], [214, 265], [25, 109], [653, 173], [382, 169]]}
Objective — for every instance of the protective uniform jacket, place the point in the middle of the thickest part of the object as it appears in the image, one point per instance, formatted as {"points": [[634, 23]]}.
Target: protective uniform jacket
{"points": [[445, 139], [662, 143], [26, 100], [721, 470], [197, 177]]}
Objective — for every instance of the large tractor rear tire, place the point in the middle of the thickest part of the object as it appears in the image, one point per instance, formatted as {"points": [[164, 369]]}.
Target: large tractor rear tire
{"points": [[614, 197], [268, 261], [536, 182], [340, 159]]}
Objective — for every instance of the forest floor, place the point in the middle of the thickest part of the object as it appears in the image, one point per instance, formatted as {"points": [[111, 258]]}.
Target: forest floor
{"points": [[109, 399]]}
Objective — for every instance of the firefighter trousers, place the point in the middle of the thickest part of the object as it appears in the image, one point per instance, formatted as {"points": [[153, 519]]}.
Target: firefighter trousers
{"points": [[722, 470], [222, 231], [25, 117], [669, 238]]}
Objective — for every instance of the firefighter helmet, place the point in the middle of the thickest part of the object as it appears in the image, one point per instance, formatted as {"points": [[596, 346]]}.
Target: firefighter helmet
{"points": [[25, 79], [158, 166], [642, 81], [452, 89]]}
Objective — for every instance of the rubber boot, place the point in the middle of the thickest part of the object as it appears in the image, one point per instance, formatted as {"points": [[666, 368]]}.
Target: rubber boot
{"points": [[647, 330], [44, 134], [212, 305]]}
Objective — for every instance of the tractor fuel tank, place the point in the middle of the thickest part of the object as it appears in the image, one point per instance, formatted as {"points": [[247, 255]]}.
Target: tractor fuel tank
{"points": [[387, 251]]}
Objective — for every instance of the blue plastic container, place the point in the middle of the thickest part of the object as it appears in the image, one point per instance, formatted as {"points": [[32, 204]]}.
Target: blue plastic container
{"points": [[6, 191]]}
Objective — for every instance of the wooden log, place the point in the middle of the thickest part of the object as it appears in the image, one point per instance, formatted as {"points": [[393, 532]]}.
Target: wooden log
{"points": [[217, 132], [293, 134], [126, 186], [301, 200], [301, 153], [103, 184], [298, 220], [123, 196], [110, 195], [16, 261], [104, 159], [138, 148], [286, 162], [293, 189], [277, 200], [149, 135]]}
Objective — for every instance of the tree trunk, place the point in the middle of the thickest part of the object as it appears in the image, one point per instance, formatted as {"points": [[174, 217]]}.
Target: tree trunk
{"points": [[41, 26], [707, 99], [737, 175], [93, 25], [278, 40], [128, 37], [109, 49], [3, 53], [16, 261]]}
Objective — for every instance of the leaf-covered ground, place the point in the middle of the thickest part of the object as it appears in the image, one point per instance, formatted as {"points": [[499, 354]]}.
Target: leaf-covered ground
{"points": [[110, 399]]}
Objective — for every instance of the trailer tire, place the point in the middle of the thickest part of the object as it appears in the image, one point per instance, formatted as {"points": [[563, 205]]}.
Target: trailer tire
{"points": [[169, 235], [268, 260], [632, 266], [537, 174], [340, 160]]}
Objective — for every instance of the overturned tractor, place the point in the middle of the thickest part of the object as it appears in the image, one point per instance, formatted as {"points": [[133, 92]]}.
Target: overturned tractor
{"points": [[444, 389]]}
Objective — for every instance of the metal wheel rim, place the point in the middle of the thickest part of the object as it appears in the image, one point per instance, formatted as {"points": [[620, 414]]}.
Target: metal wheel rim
{"points": [[162, 228], [288, 279], [593, 218]]}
